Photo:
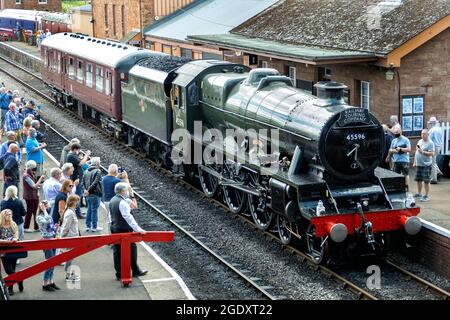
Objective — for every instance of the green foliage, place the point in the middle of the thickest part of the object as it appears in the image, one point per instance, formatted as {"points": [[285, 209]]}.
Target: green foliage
{"points": [[68, 4]]}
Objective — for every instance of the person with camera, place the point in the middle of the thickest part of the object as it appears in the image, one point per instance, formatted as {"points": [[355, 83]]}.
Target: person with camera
{"points": [[48, 228], [5, 99], [77, 161], [399, 151], [93, 191], [122, 221], [31, 186], [115, 175], [34, 151], [11, 167], [13, 121]]}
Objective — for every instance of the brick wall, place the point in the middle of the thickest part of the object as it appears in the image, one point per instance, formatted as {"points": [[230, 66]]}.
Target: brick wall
{"points": [[427, 71], [49, 5], [109, 24], [433, 250], [134, 9]]}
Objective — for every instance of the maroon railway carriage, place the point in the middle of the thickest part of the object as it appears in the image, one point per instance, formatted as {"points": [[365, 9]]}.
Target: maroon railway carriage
{"points": [[84, 73], [56, 22]]}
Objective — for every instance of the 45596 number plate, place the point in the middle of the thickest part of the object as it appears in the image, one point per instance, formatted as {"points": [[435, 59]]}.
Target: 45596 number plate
{"points": [[355, 136]]}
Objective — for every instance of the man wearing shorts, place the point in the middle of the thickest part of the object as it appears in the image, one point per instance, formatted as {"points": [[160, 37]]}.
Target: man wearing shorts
{"points": [[423, 161], [400, 149]]}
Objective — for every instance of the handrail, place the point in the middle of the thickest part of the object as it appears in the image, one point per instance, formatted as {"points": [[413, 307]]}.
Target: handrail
{"points": [[80, 246]]}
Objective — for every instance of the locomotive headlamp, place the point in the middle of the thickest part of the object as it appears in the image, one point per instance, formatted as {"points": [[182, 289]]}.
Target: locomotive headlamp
{"points": [[365, 203]]}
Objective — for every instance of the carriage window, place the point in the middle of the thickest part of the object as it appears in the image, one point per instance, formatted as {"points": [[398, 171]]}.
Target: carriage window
{"points": [[80, 71], [89, 75], [44, 54], [71, 68], [108, 83], [112, 85], [49, 62], [99, 79], [58, 67]]}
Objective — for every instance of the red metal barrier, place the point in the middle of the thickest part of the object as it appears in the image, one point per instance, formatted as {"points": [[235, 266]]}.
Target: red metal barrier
{"points": [[80, 246]]}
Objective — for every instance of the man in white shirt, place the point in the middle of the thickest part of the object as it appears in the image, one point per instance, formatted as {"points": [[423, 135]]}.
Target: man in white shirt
{"points": [[52, 186], [122, 221]]}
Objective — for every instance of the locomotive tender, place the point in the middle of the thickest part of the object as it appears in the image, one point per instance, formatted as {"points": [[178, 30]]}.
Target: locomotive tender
{"points": [[329, 191]]}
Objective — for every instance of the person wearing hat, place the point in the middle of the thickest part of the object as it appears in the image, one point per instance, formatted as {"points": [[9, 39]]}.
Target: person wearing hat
{"points": [[436, 136]]}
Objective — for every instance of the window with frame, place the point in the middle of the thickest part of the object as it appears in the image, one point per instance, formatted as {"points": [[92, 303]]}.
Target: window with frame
{"points": [[293, 75], [108, 83], [167, 49], [365, 95], [58, 61], [264, 64], [71, 68], [99, 79], [80, 71], [44, 55], [114, 19], [106, 15], [413, 109], [18, 1], [89, 82], [123, 21], [49, 59], [42, 1]]}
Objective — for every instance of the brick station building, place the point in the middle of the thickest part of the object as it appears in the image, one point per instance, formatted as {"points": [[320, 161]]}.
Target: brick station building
{"points": [[124, 19], [394, 56], [40, 5]]}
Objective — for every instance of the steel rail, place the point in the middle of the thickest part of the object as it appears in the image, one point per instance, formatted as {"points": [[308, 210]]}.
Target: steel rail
{"points": [[445, 295]]}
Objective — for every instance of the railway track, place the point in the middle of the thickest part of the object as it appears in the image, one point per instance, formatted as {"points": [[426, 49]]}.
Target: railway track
{"points": [[359, 292]]}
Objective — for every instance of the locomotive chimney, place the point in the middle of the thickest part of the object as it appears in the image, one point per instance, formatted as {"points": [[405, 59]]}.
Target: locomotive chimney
{"points": [[330, 93]]}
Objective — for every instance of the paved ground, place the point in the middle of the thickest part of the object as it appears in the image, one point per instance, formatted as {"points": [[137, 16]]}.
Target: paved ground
{"points": [[98, 276], [34, 50]]}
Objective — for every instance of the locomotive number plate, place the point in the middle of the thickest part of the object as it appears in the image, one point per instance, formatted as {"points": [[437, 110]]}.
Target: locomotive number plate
{"points": [[356, 136]]}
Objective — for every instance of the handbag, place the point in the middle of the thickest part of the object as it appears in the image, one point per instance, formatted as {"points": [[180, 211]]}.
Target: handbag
{"points": [[16, 255]]}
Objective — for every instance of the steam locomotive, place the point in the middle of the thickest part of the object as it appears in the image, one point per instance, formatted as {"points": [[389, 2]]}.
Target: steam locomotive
{"points": [[326, 190]]}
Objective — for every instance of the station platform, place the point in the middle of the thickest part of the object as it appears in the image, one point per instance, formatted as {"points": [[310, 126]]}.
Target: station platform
{"points": [[25, 47], [97, 273], [437, 210]]}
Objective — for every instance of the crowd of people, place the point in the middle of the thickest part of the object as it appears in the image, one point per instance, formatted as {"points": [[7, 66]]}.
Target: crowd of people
{"points": [[398, 148], [51, 205]]}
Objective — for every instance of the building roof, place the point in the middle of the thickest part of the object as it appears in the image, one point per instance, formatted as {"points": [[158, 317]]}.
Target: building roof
{"points": [[107, 53], [85, 8], [206, 17], [359, 25], [21, 14], [262, 46]]}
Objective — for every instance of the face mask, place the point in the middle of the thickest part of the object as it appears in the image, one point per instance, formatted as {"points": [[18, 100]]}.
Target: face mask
{"points": [[398, 135]]}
